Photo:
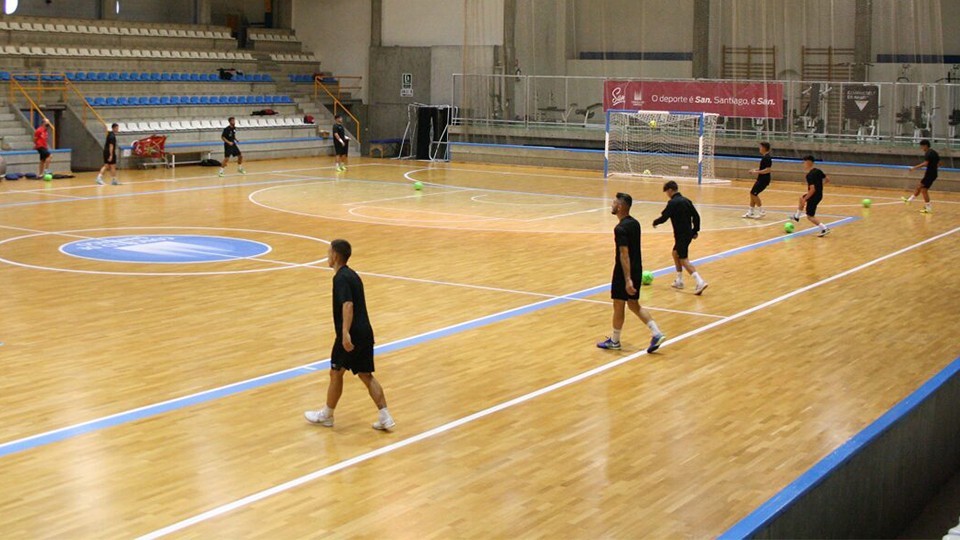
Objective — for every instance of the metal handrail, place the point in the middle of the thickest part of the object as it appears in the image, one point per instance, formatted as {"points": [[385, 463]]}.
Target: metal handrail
{"points": [[86, 104], [317, 86], [15, 86]]}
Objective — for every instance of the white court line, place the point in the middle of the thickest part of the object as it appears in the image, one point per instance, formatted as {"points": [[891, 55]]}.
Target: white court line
{"points": [[564, 215], [414, 196], [326, 471]]}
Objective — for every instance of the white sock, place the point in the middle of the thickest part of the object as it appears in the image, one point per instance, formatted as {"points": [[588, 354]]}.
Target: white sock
{"points": [[221, 169], [680, 276], [327, 411], [696, 276], [928, 205], [822, 227], [652, 325], [759, 209], [912, 197], [615, 335], [384, 413]]}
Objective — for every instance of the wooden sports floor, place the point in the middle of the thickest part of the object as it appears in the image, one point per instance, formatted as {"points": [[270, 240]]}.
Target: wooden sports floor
{"points": [[154, 398]]}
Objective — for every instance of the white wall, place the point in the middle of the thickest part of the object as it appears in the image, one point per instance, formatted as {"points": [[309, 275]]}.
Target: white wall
{"points": [[338, 31], [425, 23]]}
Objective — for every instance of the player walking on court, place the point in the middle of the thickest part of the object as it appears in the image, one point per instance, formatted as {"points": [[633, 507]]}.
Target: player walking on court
{"points": [[809, 200], [931, 160], [230, 148], [110, 156], [40, 144], [686, 227], [627, 274], [763, 180], [340, 143], [353, 348]]}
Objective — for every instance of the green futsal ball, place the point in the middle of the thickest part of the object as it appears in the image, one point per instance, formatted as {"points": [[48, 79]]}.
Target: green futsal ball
{"points": [[867, 203], [647, 278], [646, 172], [418, 185], [48, 177], [788, 228], [653, 123]]}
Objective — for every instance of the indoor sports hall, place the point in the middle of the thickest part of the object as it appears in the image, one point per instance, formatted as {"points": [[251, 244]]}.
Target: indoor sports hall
{"points": [[163, 334]]}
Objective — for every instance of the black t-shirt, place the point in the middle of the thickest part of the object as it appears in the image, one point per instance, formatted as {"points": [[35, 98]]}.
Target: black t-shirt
{"points": [[339, 130], [682, 215], [347, 287], [933, 162], [229, 133], [765, 163], [111, 140], [627, 233], [815, 178]]}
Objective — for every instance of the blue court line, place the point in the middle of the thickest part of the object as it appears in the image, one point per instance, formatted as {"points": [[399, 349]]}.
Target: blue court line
{"points": [[148, 411], [780, 502]]}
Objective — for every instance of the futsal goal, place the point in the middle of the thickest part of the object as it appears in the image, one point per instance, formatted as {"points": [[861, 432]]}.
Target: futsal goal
{"points": [[659, 144]]}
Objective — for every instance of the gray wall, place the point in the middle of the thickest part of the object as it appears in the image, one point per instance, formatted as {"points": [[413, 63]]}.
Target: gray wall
{"points": [[388, 111], [81, 9]]}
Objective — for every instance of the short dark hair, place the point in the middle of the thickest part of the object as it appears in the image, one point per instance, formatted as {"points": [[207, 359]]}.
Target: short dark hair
{"points": [[625, 198], [810, 158], [231, 118], [925, 142], [671, 185], [114, 125], [337, 117], [342, 247], [765, 145]]}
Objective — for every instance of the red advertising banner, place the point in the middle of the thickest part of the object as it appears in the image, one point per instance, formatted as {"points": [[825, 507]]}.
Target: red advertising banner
{"points": [[733, 99]]}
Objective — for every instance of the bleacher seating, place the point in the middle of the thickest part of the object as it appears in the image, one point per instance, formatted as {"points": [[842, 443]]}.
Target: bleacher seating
{"points": [[137, 76], [143, 30], [270, 35], [308, 58], [25, 50], [211, 124], [148, 101]]}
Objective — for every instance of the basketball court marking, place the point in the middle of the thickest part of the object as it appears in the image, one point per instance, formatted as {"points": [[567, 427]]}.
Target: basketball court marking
{"points": [[280, 265], [326, 471], [147, 411]]}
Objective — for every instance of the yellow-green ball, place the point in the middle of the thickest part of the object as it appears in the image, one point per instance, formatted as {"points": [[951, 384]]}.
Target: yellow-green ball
{"points": [[48, 177], [653, 123], [788, 228], [867, 203], [418, 185], [646, 278]]}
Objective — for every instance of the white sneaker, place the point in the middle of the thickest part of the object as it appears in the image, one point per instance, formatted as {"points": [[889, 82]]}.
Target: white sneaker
{"points": [[317, 417], [677, 284], [220, 173], [700, 288], [99, 181], [760, 215], [242, 170], [749, 214], [384, 424]]}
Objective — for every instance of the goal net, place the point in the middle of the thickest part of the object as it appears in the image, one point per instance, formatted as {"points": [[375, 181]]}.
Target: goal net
{"points": [[673, 145]]}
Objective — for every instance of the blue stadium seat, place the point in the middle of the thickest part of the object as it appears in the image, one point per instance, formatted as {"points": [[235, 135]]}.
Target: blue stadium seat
{"points": [[143, 100], [78, 76], [70, 75], [258, 99], [194, 77], [113, 76], [164, 100], [124, 76], [156, 76], [165, 77], [210, 77], [102, 76], [134, 76], [194, 100], [122, 101], [285, 99], [89, 101], [232, 100], [154, 100], [91, 76], [239, 78], [111, 101], [174, 100], [174, 76], [4, 75], [144, 76], [99, 102], [218, 100]]}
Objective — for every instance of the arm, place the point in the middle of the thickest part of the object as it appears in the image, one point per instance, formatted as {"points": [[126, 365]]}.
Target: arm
{"points": [[625, 265], [924, 164], [696, 220], [810, 191], [664, 216], [224, 139], [347, 323]]}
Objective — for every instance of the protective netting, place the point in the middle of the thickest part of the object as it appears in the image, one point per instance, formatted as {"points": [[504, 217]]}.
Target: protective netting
{"points": [[661, 144]]}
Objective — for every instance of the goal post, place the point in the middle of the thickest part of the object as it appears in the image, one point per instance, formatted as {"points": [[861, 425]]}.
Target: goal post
{"points": [[660, 144]]}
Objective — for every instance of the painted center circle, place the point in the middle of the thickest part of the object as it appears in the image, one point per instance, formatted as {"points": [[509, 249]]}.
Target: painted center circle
{"points": [[165, 248]]}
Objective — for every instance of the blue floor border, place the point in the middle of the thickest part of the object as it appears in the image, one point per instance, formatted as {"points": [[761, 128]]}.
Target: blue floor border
{"points": [[42, 439], [779, 503]]}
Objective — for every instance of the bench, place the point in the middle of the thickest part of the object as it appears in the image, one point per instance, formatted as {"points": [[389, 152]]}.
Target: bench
{"points": [[382, 145]]}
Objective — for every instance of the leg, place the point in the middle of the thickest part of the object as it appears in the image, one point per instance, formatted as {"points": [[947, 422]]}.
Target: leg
{"points": [[656, 336], [335, 390], [374, 388], [638, 310], [618, 315], [926, 194], [689, 267]]}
